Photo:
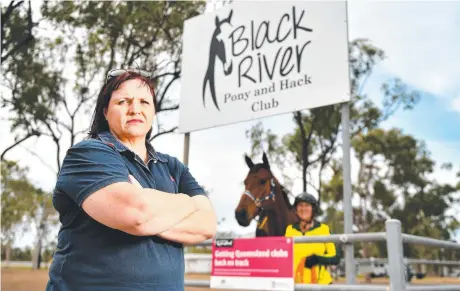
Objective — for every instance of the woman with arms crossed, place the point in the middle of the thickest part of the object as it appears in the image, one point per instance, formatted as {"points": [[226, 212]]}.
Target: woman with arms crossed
{"points": [[126, 210]]}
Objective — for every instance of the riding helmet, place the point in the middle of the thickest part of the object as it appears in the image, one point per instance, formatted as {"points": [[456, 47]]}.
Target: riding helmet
{"points": [[305, 197]]}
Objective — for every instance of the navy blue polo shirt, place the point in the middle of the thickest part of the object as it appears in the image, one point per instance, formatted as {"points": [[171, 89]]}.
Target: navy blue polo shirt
{"points": [[91, 256]]}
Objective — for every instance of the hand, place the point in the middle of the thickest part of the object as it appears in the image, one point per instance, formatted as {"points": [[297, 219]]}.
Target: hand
{"points": [[134, 182], [311, 261]]}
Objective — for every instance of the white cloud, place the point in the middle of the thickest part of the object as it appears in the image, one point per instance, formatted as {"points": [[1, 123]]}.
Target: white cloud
{"points": [[456, 104]]}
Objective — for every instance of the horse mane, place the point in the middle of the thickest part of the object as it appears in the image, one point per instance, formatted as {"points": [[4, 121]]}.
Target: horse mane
{"points": [[286, 194]]}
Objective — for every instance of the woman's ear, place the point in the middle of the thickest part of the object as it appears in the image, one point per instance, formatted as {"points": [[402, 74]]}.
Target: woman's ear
{"points": [[105, 113]]}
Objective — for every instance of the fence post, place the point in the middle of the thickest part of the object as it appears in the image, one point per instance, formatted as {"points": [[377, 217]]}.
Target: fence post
{"points": [[395, 255]]}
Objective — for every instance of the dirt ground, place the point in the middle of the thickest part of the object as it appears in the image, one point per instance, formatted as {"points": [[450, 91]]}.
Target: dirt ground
{"points": [[17, 279]]}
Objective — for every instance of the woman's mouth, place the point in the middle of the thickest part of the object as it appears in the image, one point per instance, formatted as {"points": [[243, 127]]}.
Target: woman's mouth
{"points": [[135, 121]]}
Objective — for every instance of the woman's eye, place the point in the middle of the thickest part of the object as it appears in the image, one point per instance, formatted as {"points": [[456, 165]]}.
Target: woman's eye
{"points": [[146, 102], [262, 182], [121, 102]]}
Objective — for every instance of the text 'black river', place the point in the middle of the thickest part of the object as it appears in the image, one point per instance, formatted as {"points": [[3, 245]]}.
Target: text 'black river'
{"points": [[260, 68], [246, 44]]}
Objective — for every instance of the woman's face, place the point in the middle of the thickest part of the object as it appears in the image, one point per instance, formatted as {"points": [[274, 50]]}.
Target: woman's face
{"points": [[304, 211], [130, 110]]}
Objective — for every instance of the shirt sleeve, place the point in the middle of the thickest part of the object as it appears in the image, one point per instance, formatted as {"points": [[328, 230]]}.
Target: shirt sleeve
{"points": [[187, 183], [88, 167], [331, 256]]}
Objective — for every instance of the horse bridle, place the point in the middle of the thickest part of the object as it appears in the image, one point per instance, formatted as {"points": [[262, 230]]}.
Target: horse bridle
{"points": [[258, 201]]}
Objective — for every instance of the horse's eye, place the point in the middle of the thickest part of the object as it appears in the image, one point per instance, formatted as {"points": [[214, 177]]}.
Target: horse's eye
{"points": [[262, 182]]}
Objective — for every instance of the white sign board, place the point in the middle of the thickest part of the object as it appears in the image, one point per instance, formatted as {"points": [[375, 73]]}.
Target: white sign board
{"points": [[255, 59]]}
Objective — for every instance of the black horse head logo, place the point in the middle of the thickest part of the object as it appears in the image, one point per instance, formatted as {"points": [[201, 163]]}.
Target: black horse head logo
{"points": [[219, 42]]}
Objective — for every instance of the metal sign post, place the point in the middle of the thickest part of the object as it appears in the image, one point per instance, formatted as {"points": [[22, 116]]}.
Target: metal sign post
{"points": [[347, 193], [347, 207], [186, 147]]}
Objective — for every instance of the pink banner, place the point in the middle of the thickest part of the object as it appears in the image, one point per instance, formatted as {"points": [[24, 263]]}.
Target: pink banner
{"points": [[269, 257]]}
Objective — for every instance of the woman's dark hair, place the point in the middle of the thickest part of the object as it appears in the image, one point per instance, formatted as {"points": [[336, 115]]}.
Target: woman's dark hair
{"points": [[99, 123]]}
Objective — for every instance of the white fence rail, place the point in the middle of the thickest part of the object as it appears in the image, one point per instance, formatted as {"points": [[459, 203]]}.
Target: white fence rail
{"points": [[202, 263], [21, 264]]}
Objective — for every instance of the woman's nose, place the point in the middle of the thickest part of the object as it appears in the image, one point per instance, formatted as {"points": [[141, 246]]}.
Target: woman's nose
{"points": [[134, 108]]}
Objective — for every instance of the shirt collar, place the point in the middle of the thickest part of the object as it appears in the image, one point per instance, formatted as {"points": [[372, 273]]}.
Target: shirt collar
{"points": [[316, 224], [108, 138]]}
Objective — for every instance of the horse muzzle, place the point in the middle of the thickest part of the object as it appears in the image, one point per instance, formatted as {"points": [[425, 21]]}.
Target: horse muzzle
{"points": [[228, 68], [242, 217]]}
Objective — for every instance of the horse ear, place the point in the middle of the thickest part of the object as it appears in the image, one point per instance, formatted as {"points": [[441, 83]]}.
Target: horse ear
{"points": [[265, 160], [217, 21], [230, 16], [248, 161]]}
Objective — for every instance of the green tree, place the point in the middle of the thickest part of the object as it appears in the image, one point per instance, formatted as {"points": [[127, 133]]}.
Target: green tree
{"points": [[17, 28], [458, 179], [395, 181], [17, 254], [18, 197], [44, 218], [27, 87], [63, 73]]}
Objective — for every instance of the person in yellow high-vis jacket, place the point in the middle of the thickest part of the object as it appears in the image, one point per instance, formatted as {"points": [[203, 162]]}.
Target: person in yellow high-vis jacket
{"points": [[311, 259]]}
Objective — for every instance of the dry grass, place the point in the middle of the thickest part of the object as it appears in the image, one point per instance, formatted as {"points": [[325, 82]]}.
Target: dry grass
{"points": [[20, 279]]}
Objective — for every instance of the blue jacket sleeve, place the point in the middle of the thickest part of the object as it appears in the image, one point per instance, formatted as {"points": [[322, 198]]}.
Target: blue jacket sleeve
{"points": [[88, 167], [187, 184]]}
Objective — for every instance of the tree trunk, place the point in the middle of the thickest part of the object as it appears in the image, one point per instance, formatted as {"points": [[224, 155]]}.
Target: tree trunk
{"points": [[304, 163], [41, 230], [8, 253], [37, 255], [37, 258], [298, 118]]}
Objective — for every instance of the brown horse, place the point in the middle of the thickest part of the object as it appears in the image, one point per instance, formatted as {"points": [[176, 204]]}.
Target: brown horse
{"points": [[265, 198]]}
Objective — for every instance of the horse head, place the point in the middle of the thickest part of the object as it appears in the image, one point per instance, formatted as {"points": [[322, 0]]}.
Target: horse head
{"points": [[259, 192], [220, 48], [221, 42]]}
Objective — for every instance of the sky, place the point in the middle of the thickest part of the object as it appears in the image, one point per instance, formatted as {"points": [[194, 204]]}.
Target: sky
{"points": [[421, 42]]}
